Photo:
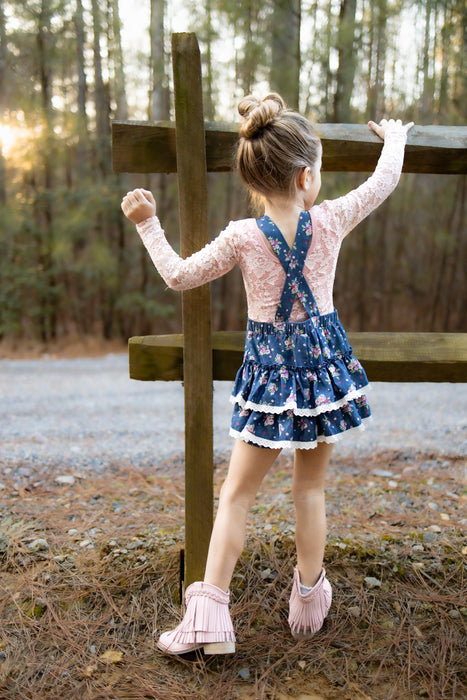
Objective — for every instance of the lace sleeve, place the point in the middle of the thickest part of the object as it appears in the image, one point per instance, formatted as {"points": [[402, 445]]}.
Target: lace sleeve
{"points": [[212, 261], [344, 213]]}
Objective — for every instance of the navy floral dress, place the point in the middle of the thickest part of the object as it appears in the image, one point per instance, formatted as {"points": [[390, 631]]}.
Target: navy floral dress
{"points": [[299, 383]]}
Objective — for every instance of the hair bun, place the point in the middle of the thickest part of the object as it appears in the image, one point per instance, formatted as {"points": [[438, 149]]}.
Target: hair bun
{"points": [[257, 114]]}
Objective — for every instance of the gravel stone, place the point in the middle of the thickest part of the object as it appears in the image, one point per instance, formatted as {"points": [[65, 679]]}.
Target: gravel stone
{"points": [[82, 415], [38, 545], [372, 582]]}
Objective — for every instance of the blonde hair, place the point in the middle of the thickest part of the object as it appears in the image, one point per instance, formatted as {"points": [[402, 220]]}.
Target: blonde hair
{"points": [[275, 144]]}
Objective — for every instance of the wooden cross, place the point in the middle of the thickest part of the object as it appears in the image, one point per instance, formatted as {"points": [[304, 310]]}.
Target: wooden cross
{"points": [[192, 147]]}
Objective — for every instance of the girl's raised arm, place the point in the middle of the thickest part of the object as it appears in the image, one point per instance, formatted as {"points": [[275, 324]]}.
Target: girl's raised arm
{"points": [[341, 215], [214, 260]]}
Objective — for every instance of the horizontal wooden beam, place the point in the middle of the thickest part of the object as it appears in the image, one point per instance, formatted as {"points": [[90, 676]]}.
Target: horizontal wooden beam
{"points": [[387, 357], [145, 147]]}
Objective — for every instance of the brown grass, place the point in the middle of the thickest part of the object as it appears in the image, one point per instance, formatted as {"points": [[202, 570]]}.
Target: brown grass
{"points": [[63, 607]]}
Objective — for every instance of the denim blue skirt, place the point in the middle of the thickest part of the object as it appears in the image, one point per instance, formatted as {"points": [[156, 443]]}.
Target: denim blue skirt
{"points": [[299, 384]]}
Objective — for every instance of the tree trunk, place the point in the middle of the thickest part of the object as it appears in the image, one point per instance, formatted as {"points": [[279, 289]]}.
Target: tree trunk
{"points": [[326, 65], [159, 98], [444, 79], [119, 82], [347, 61], [455, 273], [208, 92], [246, 63], [82, 149], [48, 302], [461, 77], [101, 97], [285, 63], [3, 73], [158, 110], [427, 96], [377, 59]]}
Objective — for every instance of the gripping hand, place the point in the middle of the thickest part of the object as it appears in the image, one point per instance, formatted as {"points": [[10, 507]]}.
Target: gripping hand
{"points": [[385, 127], [138, 205]]}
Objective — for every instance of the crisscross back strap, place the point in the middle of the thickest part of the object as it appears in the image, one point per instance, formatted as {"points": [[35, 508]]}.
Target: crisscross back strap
{"points": [[292, 260]]}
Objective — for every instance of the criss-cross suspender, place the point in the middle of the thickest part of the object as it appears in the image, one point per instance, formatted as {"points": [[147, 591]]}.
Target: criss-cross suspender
{"points": [[292, 260]]}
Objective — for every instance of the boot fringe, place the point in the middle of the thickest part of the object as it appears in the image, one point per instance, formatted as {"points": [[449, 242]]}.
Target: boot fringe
{"points": [[307, 612], [207, 622], [207, 618]]}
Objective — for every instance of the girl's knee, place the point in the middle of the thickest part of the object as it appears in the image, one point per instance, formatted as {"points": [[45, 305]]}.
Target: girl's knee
{"points": [[309, 493], [236, 494]]}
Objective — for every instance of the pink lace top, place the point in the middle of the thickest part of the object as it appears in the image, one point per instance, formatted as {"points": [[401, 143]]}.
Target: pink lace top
{"points": [[242, 243]]}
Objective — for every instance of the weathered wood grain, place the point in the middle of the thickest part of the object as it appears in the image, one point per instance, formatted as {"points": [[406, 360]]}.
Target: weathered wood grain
{"points": [[143, 147], [387, 357], [196, 309]]}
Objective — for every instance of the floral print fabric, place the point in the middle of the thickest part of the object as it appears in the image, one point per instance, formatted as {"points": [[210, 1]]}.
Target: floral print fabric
{"points": [[299, 383], [292, 260]]}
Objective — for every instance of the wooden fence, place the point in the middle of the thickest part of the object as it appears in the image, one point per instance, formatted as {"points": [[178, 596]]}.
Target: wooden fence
{"points": [[191, 148]]}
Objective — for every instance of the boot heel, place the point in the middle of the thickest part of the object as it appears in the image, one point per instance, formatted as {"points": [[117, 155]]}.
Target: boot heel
{"points": [[219, 648], [206, 618]]}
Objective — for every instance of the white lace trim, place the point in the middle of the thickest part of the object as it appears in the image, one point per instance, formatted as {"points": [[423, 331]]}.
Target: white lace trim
{"points": [[246, 436], [292, 405]]}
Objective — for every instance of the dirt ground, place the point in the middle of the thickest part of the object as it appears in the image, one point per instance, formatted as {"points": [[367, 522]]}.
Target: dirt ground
{"points": [[90, 576]]}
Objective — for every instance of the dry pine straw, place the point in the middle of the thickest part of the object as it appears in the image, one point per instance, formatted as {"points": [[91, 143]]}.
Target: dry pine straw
{"points": [[81, 614]]}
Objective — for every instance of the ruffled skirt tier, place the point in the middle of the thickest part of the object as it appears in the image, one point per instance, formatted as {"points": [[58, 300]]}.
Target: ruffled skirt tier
{"points": [[299, 384]]}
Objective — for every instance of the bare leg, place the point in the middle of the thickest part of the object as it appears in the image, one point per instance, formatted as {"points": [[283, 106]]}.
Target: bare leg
{"points": [[308, 494], [248, 466]]}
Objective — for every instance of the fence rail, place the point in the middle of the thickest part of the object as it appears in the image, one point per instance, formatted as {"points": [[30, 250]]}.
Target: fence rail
{"points": [[144, 147], [387, 357]]}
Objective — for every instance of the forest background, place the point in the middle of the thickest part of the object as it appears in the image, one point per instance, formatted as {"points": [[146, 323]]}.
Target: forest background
{"points": [[69, 263]]}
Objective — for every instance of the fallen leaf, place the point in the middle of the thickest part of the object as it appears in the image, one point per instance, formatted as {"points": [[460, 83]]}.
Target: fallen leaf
{"points": [[90, 670], [111, 656]]}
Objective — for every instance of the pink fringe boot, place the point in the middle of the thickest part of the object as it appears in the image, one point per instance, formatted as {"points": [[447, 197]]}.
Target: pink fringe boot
{"points": [[307, 612], [206, 623]]}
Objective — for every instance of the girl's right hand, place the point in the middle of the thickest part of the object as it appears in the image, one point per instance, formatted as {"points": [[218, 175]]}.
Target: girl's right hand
{"points": [[138, 205], [385, 126]]}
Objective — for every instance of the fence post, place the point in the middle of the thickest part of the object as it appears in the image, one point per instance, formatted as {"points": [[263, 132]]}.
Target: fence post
{"points": [[196, 308]]}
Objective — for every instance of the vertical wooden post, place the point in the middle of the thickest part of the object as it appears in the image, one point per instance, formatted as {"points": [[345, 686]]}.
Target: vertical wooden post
{"points": [[196, 308]]}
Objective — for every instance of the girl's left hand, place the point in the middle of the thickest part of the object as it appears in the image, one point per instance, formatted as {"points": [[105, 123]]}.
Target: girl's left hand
{"points": [[385, 127], [138, 205]]}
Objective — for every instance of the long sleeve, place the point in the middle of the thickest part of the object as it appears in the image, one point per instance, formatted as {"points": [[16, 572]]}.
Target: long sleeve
{"points": [[212, 261], [243, 243], [344, 213]]}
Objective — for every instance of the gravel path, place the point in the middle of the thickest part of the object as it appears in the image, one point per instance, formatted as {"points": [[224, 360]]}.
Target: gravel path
{"points": [[85, 414]]}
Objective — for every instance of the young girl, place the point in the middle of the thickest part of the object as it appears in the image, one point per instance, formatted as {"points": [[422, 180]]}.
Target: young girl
{"points": [[299, 384]]}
